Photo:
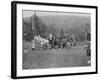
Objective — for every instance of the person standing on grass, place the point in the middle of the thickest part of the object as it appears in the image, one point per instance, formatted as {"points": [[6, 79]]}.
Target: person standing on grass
{"points": [[88, 53], [51, 40]]}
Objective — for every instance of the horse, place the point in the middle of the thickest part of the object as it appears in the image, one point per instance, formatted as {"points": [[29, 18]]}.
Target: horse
{"points": [[39, 43]]}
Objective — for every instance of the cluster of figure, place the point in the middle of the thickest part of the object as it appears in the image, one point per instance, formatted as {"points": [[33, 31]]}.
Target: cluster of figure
{"points": [[51, 43]]}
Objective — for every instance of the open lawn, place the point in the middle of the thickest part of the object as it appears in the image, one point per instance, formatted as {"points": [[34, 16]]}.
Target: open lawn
{"points": [[54, 58]]}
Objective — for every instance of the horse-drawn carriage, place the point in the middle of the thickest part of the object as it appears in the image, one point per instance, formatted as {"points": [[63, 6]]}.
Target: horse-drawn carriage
{"points": [[50, 43], [39, 43]]}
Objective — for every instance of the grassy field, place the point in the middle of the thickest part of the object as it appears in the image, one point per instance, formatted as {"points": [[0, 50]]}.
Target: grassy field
{"points": [[54, 58]]}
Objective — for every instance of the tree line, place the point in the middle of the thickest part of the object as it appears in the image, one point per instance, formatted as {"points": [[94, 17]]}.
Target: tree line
{"points": [[35, 26]]}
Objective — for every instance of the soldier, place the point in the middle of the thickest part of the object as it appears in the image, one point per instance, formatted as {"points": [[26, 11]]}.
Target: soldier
{"points": [[88, 52], [51, 40]]}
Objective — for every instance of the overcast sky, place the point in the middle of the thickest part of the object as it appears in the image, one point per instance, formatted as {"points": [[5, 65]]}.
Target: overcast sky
{"points": [[28, 13]]}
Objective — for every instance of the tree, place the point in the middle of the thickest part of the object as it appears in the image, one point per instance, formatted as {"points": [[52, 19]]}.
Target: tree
{"points": [[27, 30], [86, 31], [62, 32], [89, 36], [86, 28], [38, 26]]}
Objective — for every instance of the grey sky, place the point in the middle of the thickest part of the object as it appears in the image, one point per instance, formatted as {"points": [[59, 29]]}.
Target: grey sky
{"points": [[28, 13]]}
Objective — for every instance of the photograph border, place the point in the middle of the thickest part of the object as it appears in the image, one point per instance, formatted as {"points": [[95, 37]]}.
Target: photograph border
{"points": [[14, 38]]}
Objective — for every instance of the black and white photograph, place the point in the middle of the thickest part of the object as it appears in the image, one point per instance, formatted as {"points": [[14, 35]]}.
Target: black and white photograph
{"points": [[53, 39], [56, 39]]}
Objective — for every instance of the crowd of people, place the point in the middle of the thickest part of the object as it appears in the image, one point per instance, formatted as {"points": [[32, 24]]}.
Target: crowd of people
{"points": [[52, 42]]}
